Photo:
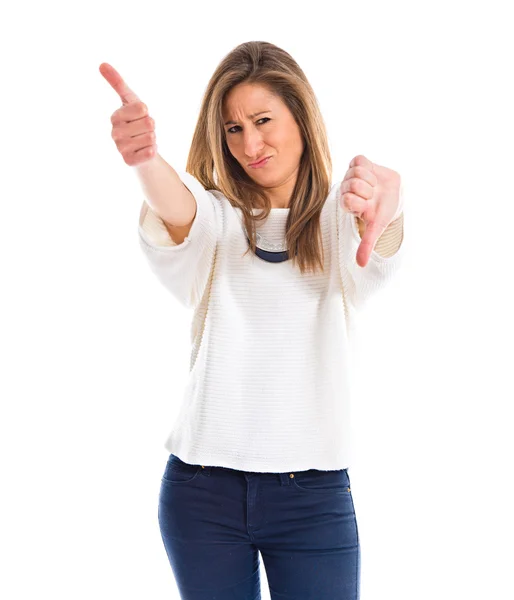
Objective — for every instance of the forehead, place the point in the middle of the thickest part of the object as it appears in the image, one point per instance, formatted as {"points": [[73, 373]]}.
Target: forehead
{"points": [[248, 97]]}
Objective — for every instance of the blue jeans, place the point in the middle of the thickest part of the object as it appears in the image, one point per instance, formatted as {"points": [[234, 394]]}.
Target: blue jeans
{"points": [[214, 521]]}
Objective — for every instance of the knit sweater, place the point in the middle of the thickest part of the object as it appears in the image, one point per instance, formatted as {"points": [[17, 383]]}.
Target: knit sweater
{"points": [[269, 384]]}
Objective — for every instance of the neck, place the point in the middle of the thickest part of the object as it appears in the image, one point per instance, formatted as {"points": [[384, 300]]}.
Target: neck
{"points": [[280, 195]]}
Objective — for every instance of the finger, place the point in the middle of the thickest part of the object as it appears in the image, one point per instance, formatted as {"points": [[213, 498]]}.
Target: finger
{"points": [[362, 161], [140, 126], [116, 80], [374, 229], [129, 113], [358, 187], [359, 172], [353, 203], [127, 132]]}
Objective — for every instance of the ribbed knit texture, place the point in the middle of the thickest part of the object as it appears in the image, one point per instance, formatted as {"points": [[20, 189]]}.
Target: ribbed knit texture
{"points": [[269, 386]]}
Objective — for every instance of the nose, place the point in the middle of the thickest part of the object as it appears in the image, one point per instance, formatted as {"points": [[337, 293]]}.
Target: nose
{"points": [[253, 144]]}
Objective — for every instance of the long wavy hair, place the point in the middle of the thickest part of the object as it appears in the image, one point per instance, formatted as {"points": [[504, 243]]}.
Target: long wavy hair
{"points": [[212, 164]]}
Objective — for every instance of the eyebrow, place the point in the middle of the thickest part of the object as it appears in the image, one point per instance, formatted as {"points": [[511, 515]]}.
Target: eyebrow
{"points": [[249, 116]]}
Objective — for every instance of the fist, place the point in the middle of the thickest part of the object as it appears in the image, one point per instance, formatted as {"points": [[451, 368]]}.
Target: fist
{"points": [[133, 130], [371, 193]]}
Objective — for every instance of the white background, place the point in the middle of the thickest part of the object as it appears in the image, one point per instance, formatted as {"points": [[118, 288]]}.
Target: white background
{"points": [[95, 352]]}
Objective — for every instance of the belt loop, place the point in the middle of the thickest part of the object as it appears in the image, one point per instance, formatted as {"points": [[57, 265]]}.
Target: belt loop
{"points": [[285, 478]]}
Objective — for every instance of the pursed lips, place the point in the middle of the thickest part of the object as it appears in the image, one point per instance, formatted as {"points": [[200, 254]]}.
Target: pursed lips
{"points": [[255, 164]]}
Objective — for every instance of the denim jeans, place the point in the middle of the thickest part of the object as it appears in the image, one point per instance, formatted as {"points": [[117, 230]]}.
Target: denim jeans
{"points": [[214, 522]]}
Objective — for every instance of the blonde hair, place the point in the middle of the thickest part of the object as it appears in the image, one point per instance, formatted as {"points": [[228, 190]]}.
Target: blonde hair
{"points": [[268, 65]]}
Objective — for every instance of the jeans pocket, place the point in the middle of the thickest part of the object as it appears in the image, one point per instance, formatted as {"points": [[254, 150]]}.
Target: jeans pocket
{"points": [[315, 481], [178, 471]]}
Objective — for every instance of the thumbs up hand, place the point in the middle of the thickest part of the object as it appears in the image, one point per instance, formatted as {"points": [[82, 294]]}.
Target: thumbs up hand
{"points": [[133, 130], [372, 193]]}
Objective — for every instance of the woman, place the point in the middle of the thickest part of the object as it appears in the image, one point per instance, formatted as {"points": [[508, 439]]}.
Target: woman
{"points": [[274, 261]]}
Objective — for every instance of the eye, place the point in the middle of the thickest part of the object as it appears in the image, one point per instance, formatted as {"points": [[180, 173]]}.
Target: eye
{"points": [[263, 119]]}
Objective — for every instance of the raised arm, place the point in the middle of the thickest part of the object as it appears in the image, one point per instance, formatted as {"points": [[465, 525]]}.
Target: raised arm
{"points": [[133, 131], [168, 197]]}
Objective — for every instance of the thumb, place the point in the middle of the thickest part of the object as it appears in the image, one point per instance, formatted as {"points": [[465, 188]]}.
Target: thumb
{"points": [[116, 80], [374, 230]]}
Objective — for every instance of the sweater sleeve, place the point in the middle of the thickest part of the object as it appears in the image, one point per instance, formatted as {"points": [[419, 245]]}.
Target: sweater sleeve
{"points": [[359, 283], [184, 269]]}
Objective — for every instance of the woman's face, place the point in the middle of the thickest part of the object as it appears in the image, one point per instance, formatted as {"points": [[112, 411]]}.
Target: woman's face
{"points": [[251, 136]]}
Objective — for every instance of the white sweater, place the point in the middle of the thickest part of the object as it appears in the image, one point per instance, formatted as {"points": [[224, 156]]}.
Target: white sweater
{"points": [[269, 380]]}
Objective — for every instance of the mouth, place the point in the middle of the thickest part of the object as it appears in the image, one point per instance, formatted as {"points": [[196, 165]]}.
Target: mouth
{"points": [[260, 163]]}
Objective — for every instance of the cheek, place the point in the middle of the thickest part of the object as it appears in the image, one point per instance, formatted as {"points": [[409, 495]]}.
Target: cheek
{"points": [[295, 146], [232, 148], [284, 140]]}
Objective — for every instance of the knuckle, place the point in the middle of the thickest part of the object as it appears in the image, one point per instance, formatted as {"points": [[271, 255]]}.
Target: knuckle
{"points": [[359, 171], [354, 184]]}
